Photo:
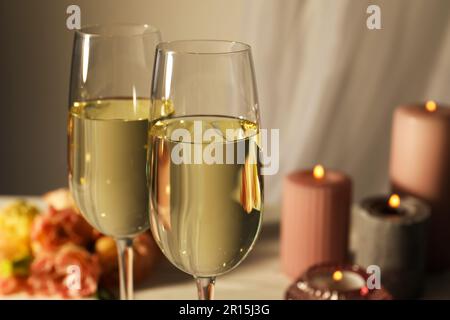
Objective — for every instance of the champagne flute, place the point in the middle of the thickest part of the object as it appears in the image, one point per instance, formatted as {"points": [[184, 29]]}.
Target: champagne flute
{"points": [[206, 188], [107, 132]]}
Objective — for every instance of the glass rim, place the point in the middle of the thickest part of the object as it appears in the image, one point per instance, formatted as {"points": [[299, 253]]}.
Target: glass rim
{"points": [[173, 47], [93, 30]]}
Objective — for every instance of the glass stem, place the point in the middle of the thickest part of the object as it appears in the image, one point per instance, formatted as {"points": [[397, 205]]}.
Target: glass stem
{"points": [[205, 288], [125, 253]]}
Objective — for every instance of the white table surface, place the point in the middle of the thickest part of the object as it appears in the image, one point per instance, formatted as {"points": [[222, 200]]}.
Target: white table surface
{"points": [[257, 277]]}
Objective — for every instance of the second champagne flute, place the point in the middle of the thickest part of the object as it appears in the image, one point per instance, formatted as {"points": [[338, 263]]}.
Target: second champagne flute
{"points": [[206, 187], [108, 122]]}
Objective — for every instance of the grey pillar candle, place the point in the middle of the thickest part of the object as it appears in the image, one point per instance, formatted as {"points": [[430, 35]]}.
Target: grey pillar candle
{"points": [[392, 235]]}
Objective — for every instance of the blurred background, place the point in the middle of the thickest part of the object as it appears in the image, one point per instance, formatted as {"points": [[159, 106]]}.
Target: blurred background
{"points": [[325, 80]]}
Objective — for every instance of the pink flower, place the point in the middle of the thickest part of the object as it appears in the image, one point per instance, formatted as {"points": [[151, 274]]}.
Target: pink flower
{"points": [[51, 274], [58, 227]]}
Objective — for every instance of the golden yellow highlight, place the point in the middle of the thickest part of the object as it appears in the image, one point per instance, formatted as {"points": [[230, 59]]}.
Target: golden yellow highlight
{"points": [[337, 276], [431, 106], [394, 201], [318, 171]]}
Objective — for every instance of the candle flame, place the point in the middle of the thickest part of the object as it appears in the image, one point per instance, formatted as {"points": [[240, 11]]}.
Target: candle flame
{"points": [[431, 106], [337, 275], [394, 201], [318, 171]]}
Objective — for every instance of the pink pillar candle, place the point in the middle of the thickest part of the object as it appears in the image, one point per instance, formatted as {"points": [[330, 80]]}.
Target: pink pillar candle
{"points": [[420, 166], [314, 219]]}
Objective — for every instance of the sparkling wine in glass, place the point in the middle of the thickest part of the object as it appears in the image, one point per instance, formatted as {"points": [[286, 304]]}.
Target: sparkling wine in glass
{"points": [[206, 188], [107, 133]]}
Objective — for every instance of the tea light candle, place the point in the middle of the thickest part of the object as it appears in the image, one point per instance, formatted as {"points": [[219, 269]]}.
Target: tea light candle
{"points": [[334, 282], [420, 167], [314, 219], [390, 232], [341, 281]]}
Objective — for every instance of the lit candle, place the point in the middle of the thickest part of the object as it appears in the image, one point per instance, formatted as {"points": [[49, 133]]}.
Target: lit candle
{"points": [[394, 201], [318, 172], [334, 282], [340, 281], [314, 219], [391, 206], [431, 106], [420, 167], [390, 232]]}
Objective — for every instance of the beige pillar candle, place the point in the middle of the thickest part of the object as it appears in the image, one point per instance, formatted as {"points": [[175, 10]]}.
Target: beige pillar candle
{"points": [[314, 219], [420, 166]]}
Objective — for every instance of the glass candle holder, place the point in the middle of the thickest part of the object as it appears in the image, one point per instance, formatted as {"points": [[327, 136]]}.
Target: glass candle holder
{"points": [[335, 282]]}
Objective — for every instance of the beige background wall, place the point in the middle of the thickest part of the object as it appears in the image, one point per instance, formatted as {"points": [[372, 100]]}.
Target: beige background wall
{"points": [[327, 82], [35, 55]]}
